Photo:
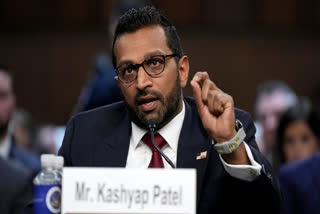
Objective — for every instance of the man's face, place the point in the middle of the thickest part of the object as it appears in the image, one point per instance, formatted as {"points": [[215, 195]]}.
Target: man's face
{"points": [[7, 100], [270, 108], [151, 98]]}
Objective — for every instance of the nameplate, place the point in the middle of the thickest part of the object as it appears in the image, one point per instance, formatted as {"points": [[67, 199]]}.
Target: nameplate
{"points": [[120, 190]]}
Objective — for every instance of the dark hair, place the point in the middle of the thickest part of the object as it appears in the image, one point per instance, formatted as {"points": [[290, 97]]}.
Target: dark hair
{"points": [[4, 69], [303, 111], [135, 19]]}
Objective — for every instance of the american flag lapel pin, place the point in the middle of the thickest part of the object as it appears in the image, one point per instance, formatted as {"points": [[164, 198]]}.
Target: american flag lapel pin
{"points": [[202, 155]]}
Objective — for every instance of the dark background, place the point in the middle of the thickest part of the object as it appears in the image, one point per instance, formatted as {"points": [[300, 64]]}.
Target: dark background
{"points": [[50, 45]]}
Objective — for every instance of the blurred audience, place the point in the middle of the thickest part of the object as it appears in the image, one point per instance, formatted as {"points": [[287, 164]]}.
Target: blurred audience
{"points": [[101, 88], [8, 148], [273, 99], [38, 139], [22, 128], [49, 138], [300, 184], [15, 188], [298, 133]]}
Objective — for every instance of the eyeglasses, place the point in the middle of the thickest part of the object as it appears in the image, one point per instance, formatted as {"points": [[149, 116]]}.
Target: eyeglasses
{"points": [[153, 66]]}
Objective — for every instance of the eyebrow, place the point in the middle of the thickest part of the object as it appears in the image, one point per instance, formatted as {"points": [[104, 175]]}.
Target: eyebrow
{"points": [[153, 53], [146, 56]]}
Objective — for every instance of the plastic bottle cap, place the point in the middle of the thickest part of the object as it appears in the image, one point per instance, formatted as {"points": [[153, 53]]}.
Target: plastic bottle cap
{"points": [[58, 162], [47, 160]]}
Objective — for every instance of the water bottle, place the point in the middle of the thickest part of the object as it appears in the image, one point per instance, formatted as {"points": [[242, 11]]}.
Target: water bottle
{"points": [[47, 188], [58, 165]]}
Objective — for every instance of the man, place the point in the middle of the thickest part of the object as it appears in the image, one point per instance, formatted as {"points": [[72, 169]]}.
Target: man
{"points": [[101, 88], [15, 188], [273, 99], [8, 149], [151, 72]]}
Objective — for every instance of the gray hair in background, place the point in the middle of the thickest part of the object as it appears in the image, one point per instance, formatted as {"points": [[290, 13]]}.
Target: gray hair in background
{"points": [[275, 86]]}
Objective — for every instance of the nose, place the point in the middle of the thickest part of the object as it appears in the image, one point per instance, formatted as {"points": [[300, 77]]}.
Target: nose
{"points": [[297, 150], [270, 123], [143, 79]]}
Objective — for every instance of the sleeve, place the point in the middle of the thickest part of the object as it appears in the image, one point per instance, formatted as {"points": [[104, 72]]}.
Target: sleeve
{"points": [[266, 168], [243, 172], [266, 184]]}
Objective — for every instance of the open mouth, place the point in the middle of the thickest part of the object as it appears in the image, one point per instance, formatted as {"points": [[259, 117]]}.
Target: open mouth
{"points": [[148, 103]]}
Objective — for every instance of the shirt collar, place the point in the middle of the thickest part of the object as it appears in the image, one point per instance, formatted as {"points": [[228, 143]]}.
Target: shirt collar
{"points": [[169, 132], [5, 146]]}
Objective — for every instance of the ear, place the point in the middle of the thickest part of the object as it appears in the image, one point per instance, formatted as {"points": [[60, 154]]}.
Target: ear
{"points": [[116, 78], [184, 71]]}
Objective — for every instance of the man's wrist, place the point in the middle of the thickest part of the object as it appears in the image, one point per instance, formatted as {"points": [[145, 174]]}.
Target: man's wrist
{"points": [[228, 147]]}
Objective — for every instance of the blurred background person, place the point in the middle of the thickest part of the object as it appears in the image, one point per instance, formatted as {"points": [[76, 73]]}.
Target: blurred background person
{"points": [[49, 138], [298, 134], [8, 148], [300, 185], [15, 188], [272, 100], [22, 128], [101, 88]]}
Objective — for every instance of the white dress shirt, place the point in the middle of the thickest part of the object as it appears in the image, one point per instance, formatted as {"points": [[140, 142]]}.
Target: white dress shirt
{"points": [[5, 147], [139, 155]]}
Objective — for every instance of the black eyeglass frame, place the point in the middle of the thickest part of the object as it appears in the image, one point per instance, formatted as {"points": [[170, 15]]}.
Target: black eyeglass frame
{"points": [[137, 66]]}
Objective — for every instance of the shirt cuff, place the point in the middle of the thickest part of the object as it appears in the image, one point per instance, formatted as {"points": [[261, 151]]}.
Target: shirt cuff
{"points": [[243, 172]]}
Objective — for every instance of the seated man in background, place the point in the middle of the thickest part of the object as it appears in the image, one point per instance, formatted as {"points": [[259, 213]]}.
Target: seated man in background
{"points": [[15, 188], [232, 175], [22, 128], [101, 88], [272, 100], [8, 148]]}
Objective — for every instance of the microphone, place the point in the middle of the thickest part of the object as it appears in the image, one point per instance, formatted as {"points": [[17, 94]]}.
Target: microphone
{"points": [[152, 128]]}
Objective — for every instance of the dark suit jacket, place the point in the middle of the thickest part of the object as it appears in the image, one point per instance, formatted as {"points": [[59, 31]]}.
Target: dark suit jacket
{"points": [[15, 188], [300, 182], [101, 138]]}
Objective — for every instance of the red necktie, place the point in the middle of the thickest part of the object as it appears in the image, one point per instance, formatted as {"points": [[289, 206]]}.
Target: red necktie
{"points": [[156, 160]]}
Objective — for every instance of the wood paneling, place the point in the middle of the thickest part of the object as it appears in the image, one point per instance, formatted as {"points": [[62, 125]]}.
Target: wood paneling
{"points": [[50, 46]]}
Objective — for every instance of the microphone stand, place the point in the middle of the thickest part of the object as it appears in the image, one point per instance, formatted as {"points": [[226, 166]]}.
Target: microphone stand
{"points": [[152, 128]]}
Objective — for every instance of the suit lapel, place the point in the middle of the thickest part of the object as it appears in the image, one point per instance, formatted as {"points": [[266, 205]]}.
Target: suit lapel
{"points": [[113, 145], [193, 141]]}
